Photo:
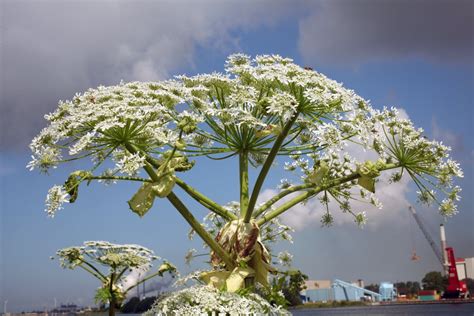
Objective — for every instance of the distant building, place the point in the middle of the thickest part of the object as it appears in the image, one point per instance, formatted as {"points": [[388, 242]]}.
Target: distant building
{"points": [[317, 291], [318, 284], [465, 267], [337, 290], [387, 291]]}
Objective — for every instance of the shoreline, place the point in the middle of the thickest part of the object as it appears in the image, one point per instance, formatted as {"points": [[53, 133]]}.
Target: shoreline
{"points": [[357, 304]]}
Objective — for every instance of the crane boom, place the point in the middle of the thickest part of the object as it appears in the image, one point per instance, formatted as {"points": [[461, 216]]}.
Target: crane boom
{"points": [[432, 243]]}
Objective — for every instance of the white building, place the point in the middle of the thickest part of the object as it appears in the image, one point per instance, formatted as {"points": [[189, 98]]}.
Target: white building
{"points": [[465, 268]]}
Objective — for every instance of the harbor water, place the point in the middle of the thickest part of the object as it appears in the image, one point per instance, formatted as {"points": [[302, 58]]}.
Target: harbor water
{"points": [[418, 309]]}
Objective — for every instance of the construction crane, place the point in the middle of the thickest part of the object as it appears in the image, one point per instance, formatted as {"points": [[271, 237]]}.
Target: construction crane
{"points": [[455, 288], [432, 243]]}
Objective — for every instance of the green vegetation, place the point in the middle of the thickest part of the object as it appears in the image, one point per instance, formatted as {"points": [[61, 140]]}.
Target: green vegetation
{"points": [[434, 280], [408, 288]]}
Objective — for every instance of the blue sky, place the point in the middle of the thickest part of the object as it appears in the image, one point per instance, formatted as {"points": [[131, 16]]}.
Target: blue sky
{"points": [[383, 51]]}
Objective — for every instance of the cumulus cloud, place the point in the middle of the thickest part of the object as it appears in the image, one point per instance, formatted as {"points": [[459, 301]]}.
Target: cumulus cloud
{"points": [[354, 32], [52, 49], [393, 196], [455, 141]]}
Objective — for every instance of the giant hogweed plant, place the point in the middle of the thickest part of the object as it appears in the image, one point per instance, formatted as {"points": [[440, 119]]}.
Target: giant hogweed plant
{"points": [[260, 109], [111, 264]]}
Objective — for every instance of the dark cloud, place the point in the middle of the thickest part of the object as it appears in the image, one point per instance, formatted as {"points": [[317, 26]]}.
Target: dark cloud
{"points": [[52, 49], [353, 32]]}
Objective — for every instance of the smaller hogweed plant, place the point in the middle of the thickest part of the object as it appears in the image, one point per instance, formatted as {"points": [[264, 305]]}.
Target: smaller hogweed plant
{"points": [[119, 260], [262, 113]]}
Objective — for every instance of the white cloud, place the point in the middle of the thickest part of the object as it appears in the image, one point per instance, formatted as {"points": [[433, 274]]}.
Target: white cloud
{"points": [[455, 141], [393, 196]]}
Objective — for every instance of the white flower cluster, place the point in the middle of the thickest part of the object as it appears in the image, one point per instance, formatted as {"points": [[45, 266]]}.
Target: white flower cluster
{"points": [[206, 300], [112, 255], [104, 118], [285, 258], [56, 197], [275, 231], [129, 163], [218, 115]]}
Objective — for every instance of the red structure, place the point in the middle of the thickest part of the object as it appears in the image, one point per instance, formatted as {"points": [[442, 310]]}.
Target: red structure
{"points": [[455, 288]]}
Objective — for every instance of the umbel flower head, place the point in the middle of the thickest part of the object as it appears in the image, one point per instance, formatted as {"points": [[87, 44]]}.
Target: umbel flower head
{"points": [[110, 263], [205, 300], [260, 108], [118, 256]]}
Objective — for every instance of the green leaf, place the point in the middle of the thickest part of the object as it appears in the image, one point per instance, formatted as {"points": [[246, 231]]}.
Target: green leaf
{"points": [[166, 267], [72, 183], [181, 163], [164, 187], [236, 279], [369, 169], [217, 279], [102, 295], [367, 183], [142, 201], [259, 265], [319, 173]]}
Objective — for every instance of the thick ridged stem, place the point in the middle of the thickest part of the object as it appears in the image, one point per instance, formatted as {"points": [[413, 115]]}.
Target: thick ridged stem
{"points": [[188, 216], [195, 194], [281, 195], [244, 182], [208, 239], [286, 206], [205, 201], [266, 166], [112, 301]]}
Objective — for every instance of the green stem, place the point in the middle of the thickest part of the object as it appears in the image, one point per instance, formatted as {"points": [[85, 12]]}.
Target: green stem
{"points": [[141, 281], [208, 239], [266, 167], [244, 182], [173, 151], [112, 301], [122, 272], [300, 198], [96, 271], [176, 202], [194, 193], [123, 178], [92, 272], [205, 201], [281, 195], [286, 206]]}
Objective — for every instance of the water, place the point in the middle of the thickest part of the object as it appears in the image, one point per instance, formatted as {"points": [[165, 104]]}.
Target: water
{"points": [[415, 310], [422, 310]]}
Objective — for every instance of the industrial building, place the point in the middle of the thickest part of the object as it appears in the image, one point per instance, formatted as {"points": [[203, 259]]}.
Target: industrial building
{"points": [[465, 267], [337, 290]]}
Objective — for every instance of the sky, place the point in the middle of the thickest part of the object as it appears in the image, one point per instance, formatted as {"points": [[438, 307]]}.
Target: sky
{"points": [[413, 54]]}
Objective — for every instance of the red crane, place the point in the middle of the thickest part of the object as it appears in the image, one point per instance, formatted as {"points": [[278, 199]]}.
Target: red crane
{"points": [[456, 288]]}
